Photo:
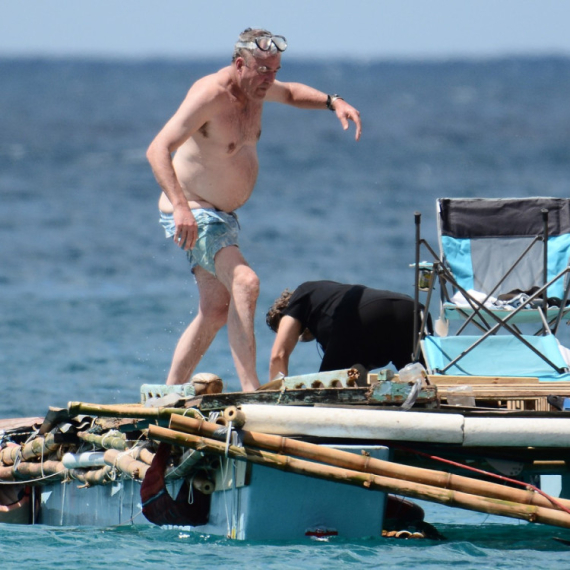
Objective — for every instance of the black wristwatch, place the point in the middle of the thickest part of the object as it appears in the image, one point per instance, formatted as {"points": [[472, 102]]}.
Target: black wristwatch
{"points": [[330, 101]]}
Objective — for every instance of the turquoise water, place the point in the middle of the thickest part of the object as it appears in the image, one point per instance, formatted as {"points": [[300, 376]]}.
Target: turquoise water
{"points": [[93, 299], [481, 546]]}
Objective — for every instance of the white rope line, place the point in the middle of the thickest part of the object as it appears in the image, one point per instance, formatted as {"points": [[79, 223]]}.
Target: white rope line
{"points": [[235, 513], [42, 458], [224, 494], [228, 438], [191, 489], [33, 496], [194, 410], [128, 521], [63, 503]]}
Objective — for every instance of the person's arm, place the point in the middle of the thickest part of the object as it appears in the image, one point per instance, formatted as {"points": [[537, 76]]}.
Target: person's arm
{"points": [[285, 342], [305, 97], [190, 116]]}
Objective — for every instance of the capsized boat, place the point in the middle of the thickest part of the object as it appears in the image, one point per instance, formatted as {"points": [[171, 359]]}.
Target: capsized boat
{"points": [[323, 454], [319, 455], [101, 465]]}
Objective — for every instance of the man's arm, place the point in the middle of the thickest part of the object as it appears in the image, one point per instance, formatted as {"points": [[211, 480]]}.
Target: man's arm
{"points": [[190, 116], [305, 97], [285, 342]]}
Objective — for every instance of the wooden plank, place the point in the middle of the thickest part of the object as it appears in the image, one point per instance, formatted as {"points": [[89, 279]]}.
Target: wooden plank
{"points": [[528, 390], [502, 394], [20, 423], [308, 397], [397, 392], [512, 389], [443, 380], [286, 397]]}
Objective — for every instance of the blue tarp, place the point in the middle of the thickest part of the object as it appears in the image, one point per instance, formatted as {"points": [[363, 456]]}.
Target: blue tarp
{"points": [[498, 355]]}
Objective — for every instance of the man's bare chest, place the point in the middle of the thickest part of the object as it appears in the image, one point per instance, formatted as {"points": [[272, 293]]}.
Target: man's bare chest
{"points": [[233, 129]]}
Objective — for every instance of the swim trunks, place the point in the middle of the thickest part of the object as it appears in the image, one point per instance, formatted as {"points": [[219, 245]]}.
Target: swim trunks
{"points": [[216, 230]]}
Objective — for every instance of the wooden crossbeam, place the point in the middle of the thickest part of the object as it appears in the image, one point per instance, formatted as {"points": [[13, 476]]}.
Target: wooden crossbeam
{"points": [[515, 393], [444, 380], [498, 388]]}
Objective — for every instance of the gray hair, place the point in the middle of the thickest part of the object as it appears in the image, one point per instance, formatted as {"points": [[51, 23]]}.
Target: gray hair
{"points": [[247, 36]]}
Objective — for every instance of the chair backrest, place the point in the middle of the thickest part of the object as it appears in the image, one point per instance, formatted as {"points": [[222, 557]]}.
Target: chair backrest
{"points": [[498, 355], [481, 240]]}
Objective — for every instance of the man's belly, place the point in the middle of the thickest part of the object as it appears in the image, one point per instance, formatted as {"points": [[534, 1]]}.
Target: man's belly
{"points": [[226, 186]]}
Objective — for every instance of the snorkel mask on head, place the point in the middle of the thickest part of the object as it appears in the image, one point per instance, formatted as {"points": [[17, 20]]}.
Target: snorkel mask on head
{"points": [[265, 43]]}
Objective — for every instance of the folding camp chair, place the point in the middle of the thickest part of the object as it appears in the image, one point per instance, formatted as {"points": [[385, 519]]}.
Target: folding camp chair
{"points": [[506, 263], [506, 248]]}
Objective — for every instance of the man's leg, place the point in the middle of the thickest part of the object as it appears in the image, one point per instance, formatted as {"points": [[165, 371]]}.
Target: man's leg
{"points": [[211, 317], [243, 285]]}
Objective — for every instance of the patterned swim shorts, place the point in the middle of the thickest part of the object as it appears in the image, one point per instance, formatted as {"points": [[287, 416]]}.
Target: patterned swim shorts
{"points": [[216, 229]]}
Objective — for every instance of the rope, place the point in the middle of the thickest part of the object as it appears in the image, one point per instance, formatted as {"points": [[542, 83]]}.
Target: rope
{"points": [[528, 486], [191, 489], [228, 437], [195, 411], [224, 495], [33, 497], [127, 521], [282, 391], [230, 526], [42, 459], [62, 504], [213, 416]]}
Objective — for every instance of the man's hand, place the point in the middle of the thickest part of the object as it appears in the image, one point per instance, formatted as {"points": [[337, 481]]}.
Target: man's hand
{"points": [[186, 228], [344, 112]]}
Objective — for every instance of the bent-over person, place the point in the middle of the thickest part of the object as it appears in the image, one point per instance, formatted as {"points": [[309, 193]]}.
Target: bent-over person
{"points": [[353, 324]]}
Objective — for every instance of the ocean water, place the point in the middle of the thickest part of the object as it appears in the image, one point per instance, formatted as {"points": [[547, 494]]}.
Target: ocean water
{"points": [[93, 298], [481, 547]]}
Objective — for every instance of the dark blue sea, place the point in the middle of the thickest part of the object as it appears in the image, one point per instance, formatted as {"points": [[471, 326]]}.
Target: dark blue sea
{"points": [[93, 298]]}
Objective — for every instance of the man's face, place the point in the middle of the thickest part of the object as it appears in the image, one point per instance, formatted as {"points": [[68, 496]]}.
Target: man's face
{"points": [[258, 73]]}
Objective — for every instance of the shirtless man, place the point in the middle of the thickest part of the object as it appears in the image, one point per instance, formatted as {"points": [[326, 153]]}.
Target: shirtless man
{"points": [[214, 134]]}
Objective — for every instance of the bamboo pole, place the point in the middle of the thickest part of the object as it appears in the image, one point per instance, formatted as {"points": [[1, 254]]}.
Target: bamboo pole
{"points": [[7, 474], [367, 464], [146, 455], [92, 477], [27, 470], [134, 411], [39, 447], [9, 454], [367, 480], [204, 485], [237, 417], [126, 464], [113, 439]]}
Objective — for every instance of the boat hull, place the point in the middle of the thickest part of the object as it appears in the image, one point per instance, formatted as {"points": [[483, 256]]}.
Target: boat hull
{"points": [[252, 502]]}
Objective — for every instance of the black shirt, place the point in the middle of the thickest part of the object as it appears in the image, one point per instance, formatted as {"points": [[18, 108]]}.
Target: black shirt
{"points": [[355, 324]]}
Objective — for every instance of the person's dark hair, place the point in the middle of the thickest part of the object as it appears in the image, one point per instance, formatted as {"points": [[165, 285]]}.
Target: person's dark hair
{"points": [[275, 313], [248, 35]]}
